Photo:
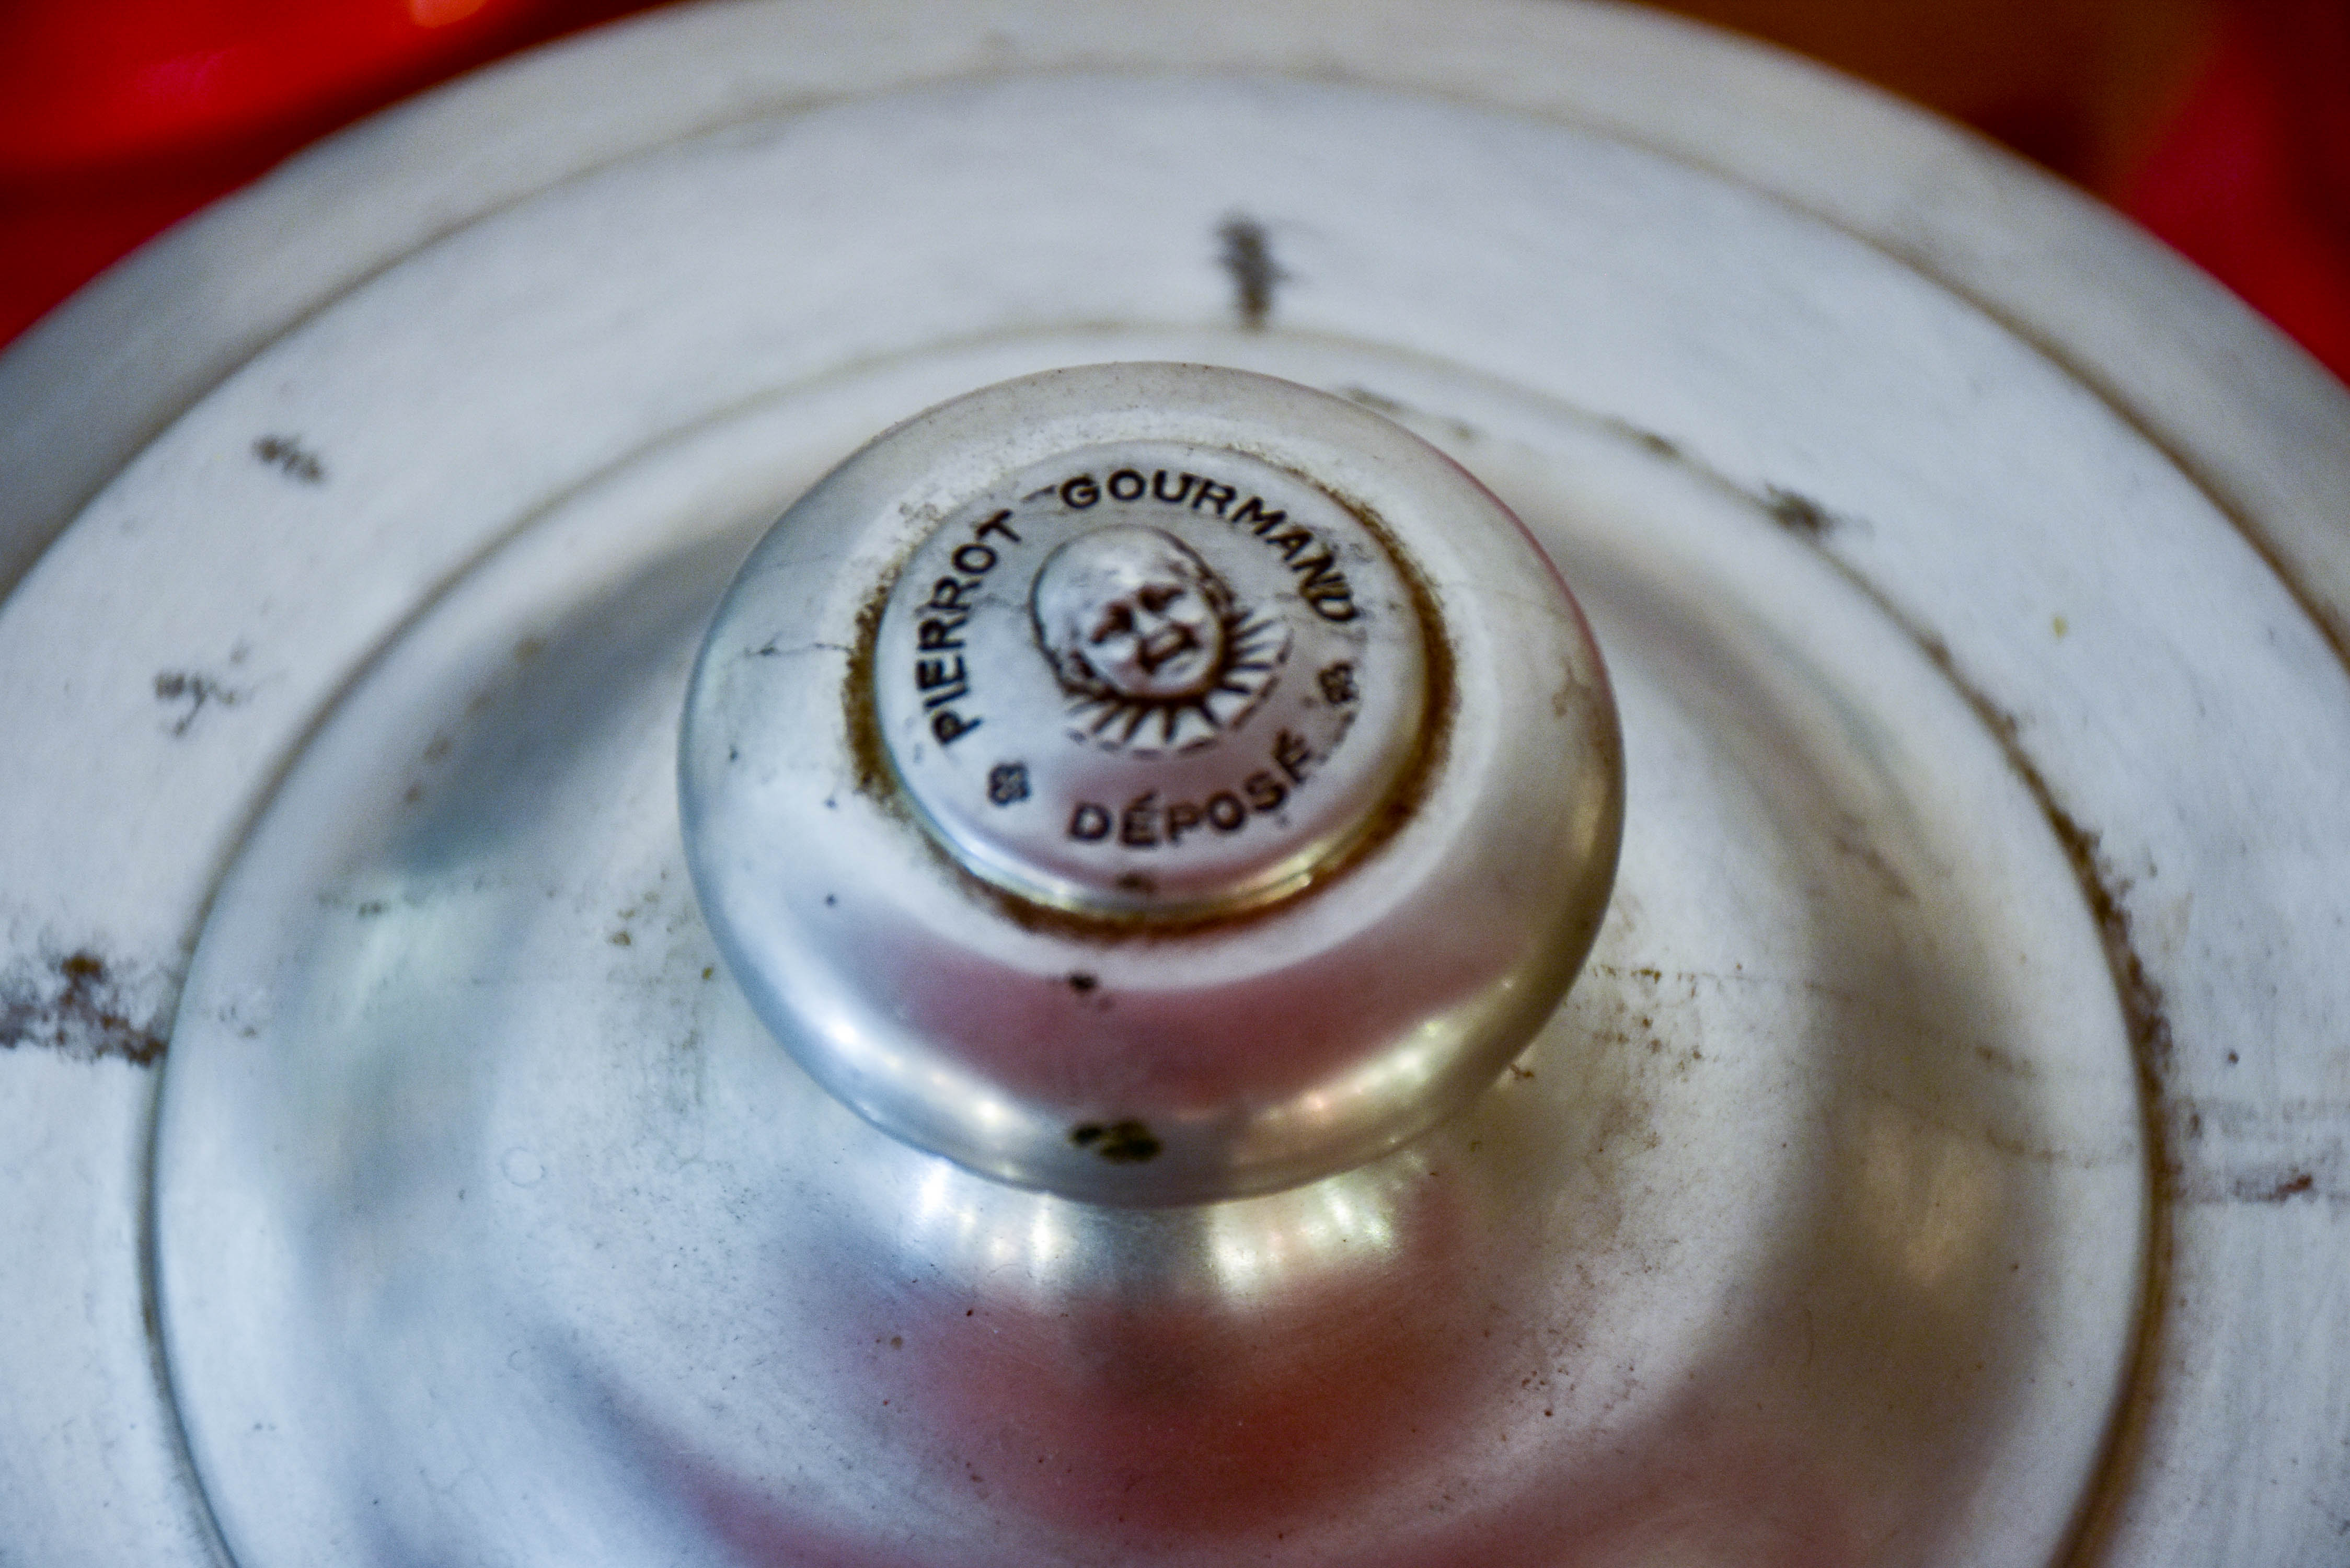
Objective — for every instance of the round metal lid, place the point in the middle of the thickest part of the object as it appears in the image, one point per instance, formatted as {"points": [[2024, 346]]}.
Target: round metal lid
{"points": [[1938, 1161]]}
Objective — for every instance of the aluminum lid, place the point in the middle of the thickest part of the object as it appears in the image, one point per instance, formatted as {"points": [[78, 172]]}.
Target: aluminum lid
{"points": [[1940, 1160]]}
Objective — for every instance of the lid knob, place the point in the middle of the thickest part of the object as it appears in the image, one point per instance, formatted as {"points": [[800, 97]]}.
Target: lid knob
{"points": [[1151, 783]]}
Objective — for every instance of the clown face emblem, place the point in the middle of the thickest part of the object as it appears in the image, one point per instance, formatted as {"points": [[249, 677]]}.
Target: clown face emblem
{"points": [[1148, 640]]}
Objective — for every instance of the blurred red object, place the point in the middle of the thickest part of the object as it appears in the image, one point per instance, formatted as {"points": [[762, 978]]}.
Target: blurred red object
{"points": [[2252, 177], [119, 117]]}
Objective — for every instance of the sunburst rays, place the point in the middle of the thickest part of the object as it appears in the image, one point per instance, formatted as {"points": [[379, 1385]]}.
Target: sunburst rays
{"points": [[1255, 646]]}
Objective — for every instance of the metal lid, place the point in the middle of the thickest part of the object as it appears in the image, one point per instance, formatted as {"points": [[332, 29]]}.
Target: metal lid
{"points": [[1085, 783], [1940, 1159]]}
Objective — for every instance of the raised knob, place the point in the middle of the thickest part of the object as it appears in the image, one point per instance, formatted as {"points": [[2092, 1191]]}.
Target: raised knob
{"points": [[1151, 783]]}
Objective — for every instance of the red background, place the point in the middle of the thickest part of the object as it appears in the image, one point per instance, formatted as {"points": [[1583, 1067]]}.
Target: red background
{"points": [[2222, 125]]}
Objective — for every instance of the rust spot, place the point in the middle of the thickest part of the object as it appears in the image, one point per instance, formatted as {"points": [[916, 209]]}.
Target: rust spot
{"points": [[77, 1005], [877, 780], [2298, 1184]]}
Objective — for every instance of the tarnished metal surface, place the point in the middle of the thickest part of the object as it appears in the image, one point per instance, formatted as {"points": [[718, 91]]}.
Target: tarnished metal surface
{"points": [[2066, 506], [1809, 1232]]}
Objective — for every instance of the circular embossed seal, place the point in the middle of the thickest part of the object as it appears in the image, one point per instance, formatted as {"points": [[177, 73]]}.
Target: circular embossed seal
{"points": [[1151, 678]]}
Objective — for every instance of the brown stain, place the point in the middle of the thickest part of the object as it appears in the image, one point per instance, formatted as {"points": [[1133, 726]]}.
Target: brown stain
{"points": [[2141, 998], [2152, 1051], [875, 778], [78, 1006], [2301, 1183]]}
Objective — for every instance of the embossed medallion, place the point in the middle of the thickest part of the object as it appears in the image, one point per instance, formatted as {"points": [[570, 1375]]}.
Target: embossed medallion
{"points": [[1149, 678], [1156, 651]]}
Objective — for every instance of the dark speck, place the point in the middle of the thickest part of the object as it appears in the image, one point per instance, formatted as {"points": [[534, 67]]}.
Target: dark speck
{"points": [[1082, 982], [1798, 514], [1247, 257], [195, 691], [1121, 1142], [285, 454]]}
